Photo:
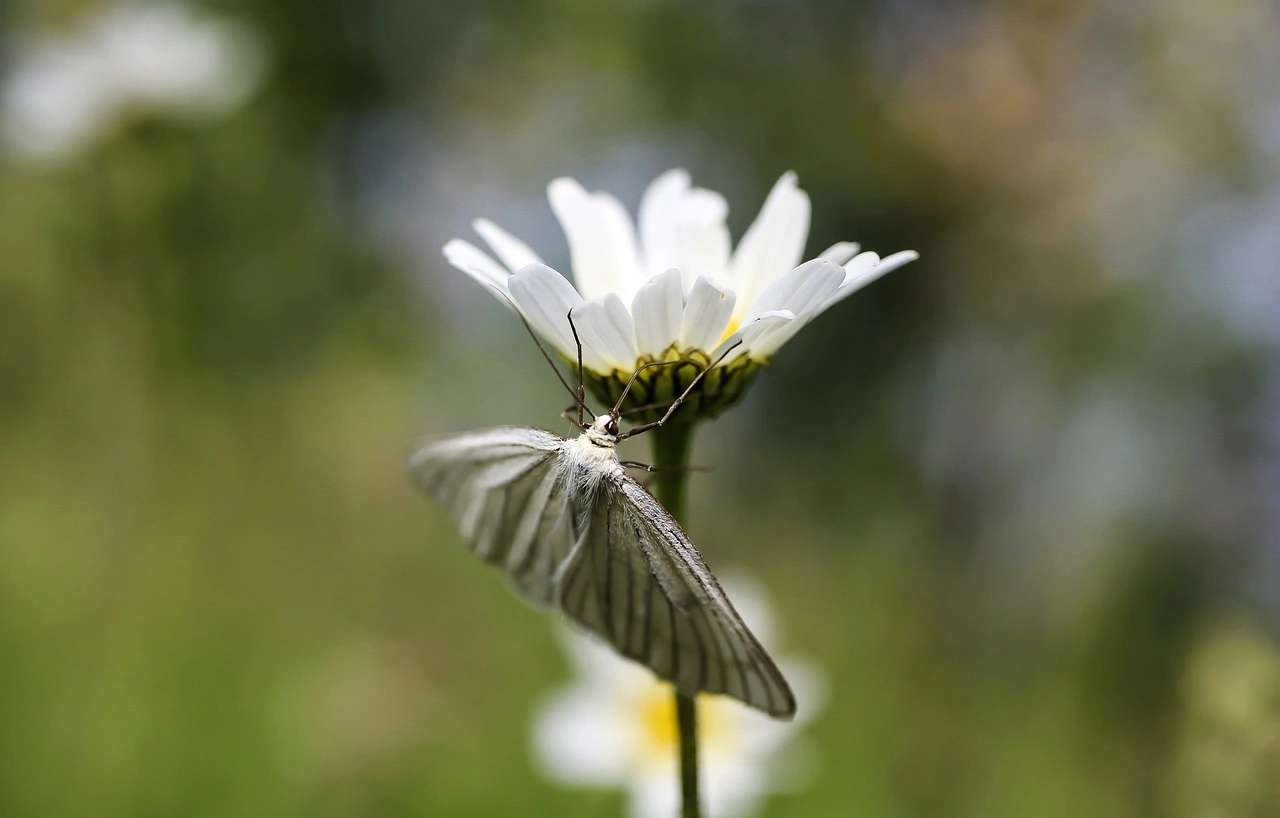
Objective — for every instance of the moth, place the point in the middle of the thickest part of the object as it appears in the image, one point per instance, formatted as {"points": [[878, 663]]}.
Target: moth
{"points": [[571, 530]]}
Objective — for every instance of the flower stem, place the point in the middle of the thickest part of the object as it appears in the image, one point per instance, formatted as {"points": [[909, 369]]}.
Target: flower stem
{"points": [[671, 446], [687, 727]]}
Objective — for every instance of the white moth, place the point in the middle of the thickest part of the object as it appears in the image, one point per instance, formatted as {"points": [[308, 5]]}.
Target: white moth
{"points": [[571, 529]]}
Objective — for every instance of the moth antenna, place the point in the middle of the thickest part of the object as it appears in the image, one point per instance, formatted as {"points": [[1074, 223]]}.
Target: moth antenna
{"points": [[579, 395], [635, 410]]}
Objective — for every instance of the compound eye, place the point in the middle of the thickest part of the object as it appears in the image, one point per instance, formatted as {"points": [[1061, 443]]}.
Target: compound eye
{"points": [[612, 427]]}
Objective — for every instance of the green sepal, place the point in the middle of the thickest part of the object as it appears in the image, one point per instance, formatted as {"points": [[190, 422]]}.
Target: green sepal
{"points": [[656, 388]]}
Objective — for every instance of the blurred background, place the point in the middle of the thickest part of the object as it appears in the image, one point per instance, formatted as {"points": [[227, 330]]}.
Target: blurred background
{"points": [[1018, 500]]}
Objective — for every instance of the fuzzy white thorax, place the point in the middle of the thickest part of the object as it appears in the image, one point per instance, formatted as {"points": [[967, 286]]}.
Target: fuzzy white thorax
{"points": [[590, 457]]}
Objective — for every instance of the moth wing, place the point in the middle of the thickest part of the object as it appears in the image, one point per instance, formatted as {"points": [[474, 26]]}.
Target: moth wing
{"points": [[509, 498], [635, 580]]}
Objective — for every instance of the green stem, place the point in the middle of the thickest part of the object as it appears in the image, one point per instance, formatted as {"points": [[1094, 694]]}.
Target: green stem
{"points": [[687, 727], [671, 446]]}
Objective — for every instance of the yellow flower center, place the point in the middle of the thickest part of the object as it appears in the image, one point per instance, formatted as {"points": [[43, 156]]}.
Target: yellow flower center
{"points": [[660, 737], [658, 719], [734, 326]]}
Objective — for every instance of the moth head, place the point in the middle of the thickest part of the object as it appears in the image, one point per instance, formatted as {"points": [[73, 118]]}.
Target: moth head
{"points": [[606, 424]]}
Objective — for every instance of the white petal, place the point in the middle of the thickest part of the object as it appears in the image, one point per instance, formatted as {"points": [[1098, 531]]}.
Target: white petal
{"points": [[809, 683], [752, 604], [859, 274], [660, 216], [859, 278], [607, 332], [598, 665], [840, 252], [707, 314], [893, 261], [816, 295], [602, 241], [658, 312], [745, 340], [476, 263], [54, 99], [702, 206], [577, 738], [513, 252], [656, 793], [704, 246], [684, 227], [733, 786], [768, 343], [544, 298], [859, 265], [802, 290], [774, 243], [620, 232]]}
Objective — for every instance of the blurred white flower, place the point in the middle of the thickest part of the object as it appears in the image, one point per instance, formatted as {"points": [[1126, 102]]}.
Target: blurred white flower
{"points": [[616, 727], [62, 94], [671, 288]]}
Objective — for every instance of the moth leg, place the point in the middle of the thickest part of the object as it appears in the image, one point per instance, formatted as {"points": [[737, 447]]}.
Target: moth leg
{"points": [[676, 403], [567, 414], [632, 464]]}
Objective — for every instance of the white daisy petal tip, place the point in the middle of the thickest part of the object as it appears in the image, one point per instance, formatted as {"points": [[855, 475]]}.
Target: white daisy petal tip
{"points": [[676, 177], [706, 208], [476, 263], [658, 313], [840, 252], [869, 258], [706, 314], [512, 252], [865, 269], [773, 244], [538, 270], [601, 237], [564, 186], [898, 259]]}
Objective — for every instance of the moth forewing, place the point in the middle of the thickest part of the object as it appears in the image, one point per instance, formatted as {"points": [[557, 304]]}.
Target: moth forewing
{"points": [[570, 528], [726, 656], [503, 488]]}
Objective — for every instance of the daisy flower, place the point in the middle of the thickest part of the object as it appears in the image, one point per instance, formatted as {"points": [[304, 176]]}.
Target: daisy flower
{"points": [[671, 288], [615, 726], [64, 93]]}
